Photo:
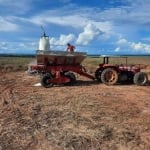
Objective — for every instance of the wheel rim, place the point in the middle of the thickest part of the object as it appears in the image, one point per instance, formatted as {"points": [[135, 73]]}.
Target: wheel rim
{"points": [[110, 76], [47, 81]]}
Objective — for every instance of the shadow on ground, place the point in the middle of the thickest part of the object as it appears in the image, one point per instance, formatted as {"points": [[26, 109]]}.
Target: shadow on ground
{"points": [[89, 83]]}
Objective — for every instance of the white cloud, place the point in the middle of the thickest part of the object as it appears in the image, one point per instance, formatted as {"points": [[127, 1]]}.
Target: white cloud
{"points": [[117, 49], [104, 26], [15, 7], [18, 47], [72, 16], [96, 23], [63, 39], [136, 12], [3, 46], [80, 22], [89, 33], [140, 46], [6, 25], [68, 20], [123, 44]]}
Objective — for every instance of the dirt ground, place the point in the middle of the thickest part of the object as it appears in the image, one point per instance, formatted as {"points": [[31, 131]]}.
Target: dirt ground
{"points": [[87, 116]]}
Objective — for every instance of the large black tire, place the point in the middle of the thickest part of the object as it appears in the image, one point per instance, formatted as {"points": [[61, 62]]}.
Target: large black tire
{"points": [[72, 78], [45, 81], [109, 76], [140, 78], [98, 73]]}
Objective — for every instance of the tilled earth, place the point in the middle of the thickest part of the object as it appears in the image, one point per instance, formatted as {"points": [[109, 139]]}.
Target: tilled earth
{"points": [[87, 116]]}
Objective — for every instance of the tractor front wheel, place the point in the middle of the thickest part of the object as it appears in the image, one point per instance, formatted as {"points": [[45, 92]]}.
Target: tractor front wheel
{"points": [[109, 76], [140, 78], [45, 81]]}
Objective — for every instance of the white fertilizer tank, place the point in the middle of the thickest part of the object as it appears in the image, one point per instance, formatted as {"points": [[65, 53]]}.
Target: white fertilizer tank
{"points": [[44, 44]]}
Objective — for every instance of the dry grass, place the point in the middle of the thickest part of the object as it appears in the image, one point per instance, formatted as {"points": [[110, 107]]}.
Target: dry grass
{"points": [[88, 116], [8, 64], [84, 117], [143, 61], [21, 63]]}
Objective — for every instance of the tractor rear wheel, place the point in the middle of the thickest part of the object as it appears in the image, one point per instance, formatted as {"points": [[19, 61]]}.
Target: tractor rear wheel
{"points": [[140, 78], [72, 78], [109, 76], [45, 81]]}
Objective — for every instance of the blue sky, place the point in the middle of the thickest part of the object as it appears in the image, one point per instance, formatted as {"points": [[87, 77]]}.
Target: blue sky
{"points": [[93, 26]]}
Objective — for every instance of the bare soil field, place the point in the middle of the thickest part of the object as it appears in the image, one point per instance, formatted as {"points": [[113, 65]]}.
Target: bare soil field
{"points": [[87, 116]]}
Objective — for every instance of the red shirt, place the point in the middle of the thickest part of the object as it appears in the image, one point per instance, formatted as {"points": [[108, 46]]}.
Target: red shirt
{"points": [[70, 48]]}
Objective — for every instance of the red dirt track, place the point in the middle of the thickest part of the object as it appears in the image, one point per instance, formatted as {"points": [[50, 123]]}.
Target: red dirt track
{"points": [[87, 116]]}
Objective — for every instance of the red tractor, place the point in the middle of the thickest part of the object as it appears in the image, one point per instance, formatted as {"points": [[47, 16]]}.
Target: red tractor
{"points": [[110, 74], [58, 67]]}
